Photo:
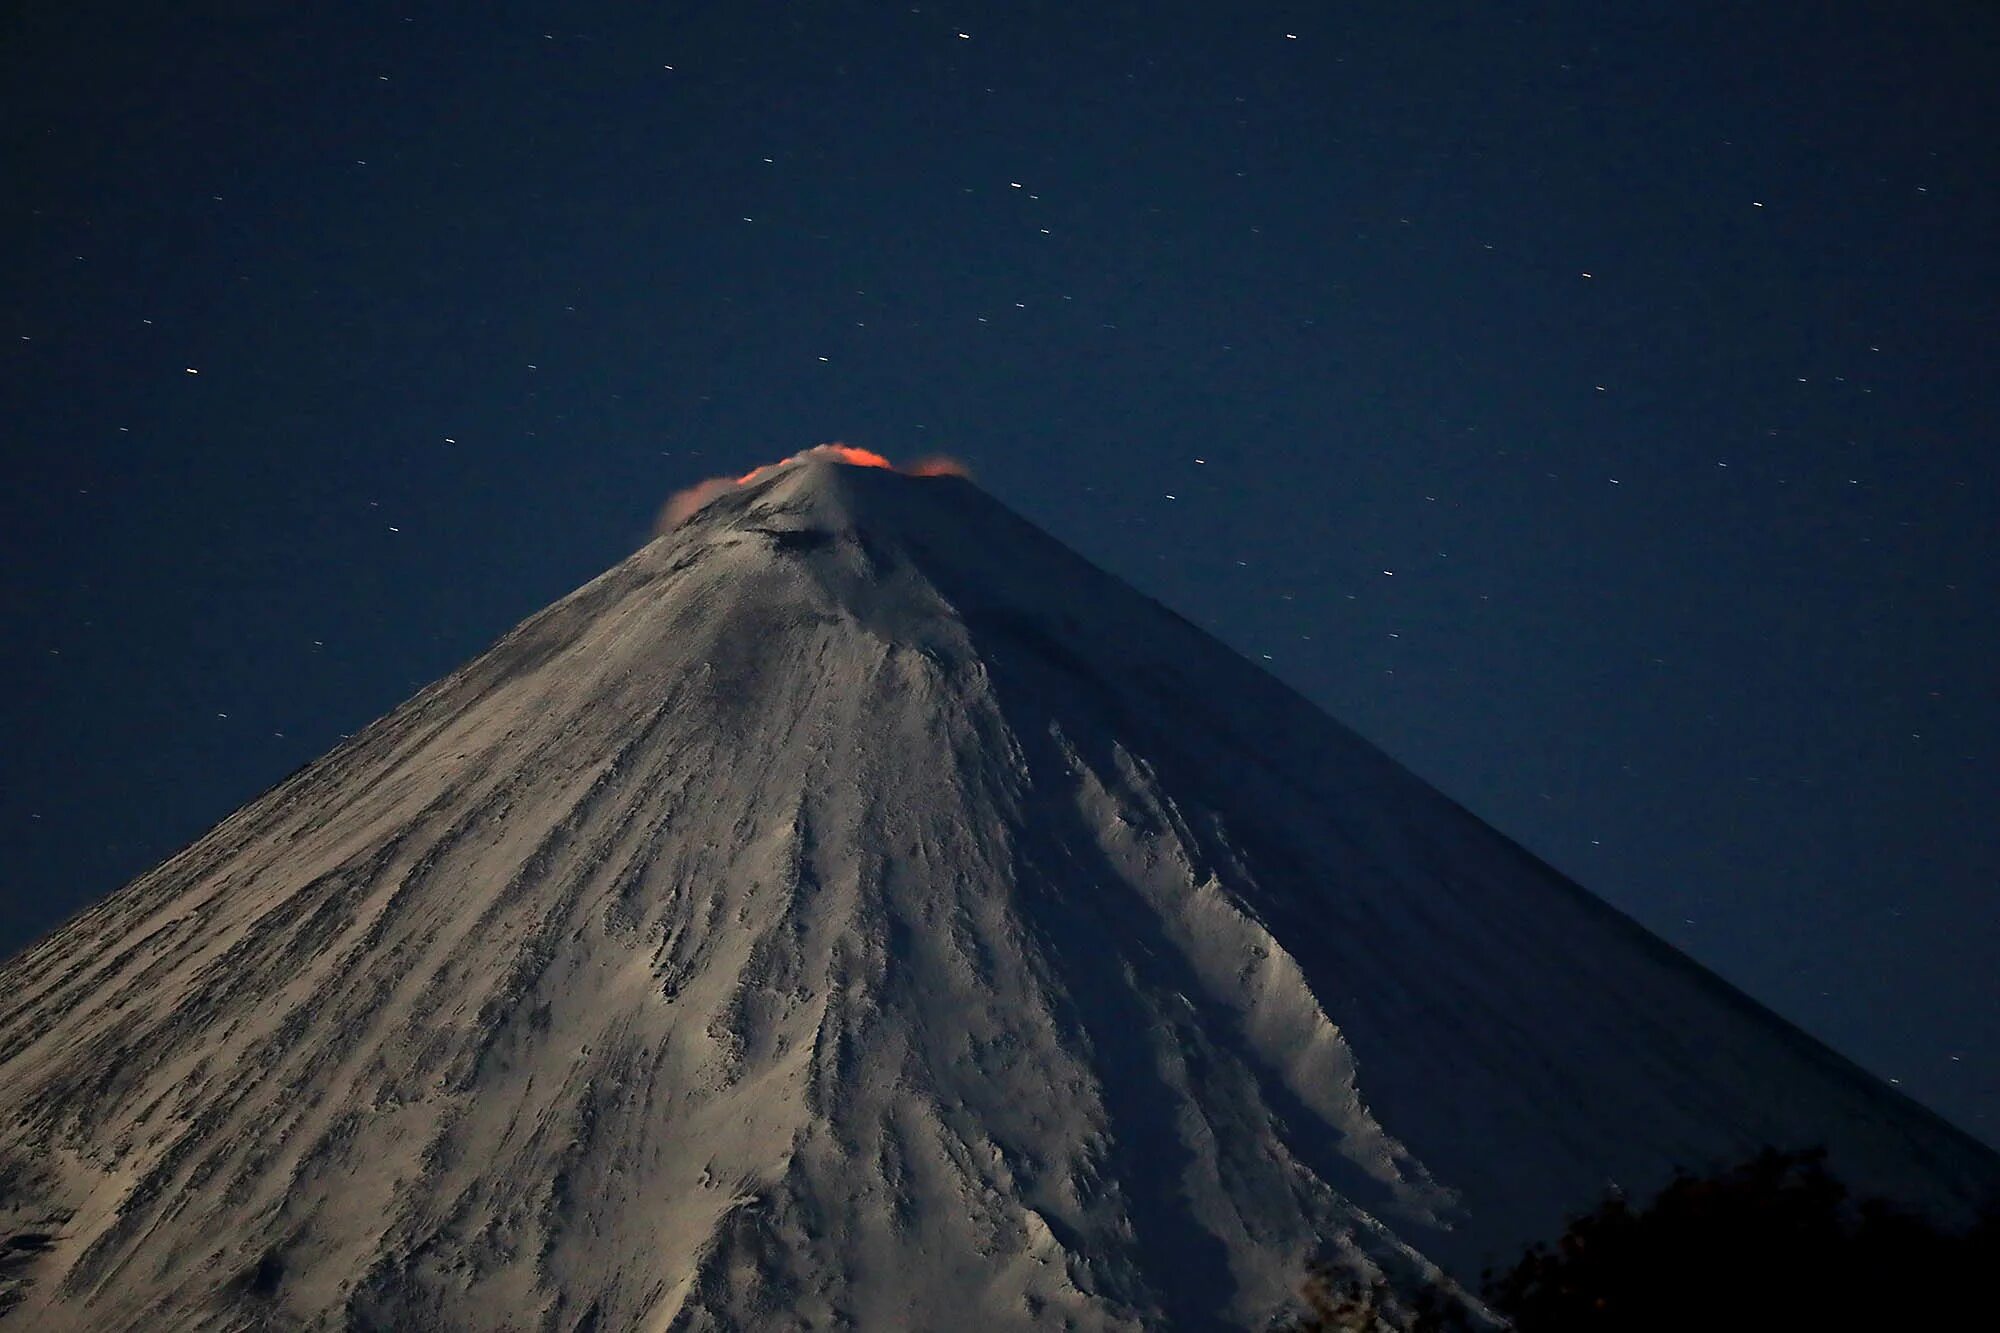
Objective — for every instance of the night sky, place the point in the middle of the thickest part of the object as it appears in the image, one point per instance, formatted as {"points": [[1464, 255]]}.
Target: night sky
{"points": [[1592, 404]]}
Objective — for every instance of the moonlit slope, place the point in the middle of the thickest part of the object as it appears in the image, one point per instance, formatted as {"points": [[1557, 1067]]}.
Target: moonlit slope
{"points": [[855, 911]]}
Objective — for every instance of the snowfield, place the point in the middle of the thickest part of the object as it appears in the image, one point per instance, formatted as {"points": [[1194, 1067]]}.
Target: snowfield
{"points": [[856, 911]]}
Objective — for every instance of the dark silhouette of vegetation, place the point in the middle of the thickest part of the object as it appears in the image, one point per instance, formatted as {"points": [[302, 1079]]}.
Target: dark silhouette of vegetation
{"points": [[1774, 1243]]}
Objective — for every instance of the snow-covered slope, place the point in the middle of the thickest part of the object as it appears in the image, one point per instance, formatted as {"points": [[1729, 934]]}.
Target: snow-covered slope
{"points": [[856, 911]]}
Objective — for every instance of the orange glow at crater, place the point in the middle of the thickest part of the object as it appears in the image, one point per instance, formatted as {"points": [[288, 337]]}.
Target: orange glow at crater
{"points": [[839, 453], [683, 504], [847, 453]]}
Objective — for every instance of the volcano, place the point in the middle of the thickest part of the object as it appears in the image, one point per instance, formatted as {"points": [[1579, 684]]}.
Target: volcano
{"points": [[857, 911]]}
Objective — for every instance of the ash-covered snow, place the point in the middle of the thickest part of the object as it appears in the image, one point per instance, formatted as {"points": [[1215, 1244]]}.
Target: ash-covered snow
{"points": [[855, 911]]}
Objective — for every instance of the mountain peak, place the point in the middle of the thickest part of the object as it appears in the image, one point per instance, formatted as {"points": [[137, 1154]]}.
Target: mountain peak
{"points": [[805, 501], [824, 477]]}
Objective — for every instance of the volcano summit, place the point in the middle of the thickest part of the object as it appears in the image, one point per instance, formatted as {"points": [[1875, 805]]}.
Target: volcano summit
{"points": [[856, 911]]}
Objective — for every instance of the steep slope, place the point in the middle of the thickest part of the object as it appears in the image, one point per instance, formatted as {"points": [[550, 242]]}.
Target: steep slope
{"points": [[856, 911]]}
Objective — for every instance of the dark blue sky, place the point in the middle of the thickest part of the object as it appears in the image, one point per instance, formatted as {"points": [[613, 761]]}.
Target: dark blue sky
{"points": [[1593, 404]]}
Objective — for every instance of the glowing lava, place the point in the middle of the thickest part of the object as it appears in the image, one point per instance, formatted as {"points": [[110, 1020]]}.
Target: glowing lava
{"points": [[839, 453], [683, 504]]}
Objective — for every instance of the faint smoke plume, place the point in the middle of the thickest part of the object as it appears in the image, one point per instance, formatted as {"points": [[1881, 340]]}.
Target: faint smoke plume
{"points": [[681, 505], [684, 504], [938, 465]]}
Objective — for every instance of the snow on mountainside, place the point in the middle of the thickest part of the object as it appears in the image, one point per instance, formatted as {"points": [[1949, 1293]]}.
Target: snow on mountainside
{"points": [[856, 911]]}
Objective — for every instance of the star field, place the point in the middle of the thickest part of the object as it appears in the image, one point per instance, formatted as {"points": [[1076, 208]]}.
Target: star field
{"points": [[1592, 407]]}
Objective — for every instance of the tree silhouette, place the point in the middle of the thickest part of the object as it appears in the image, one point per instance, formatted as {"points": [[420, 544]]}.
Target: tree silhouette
{"points": [[1775, 1243]]}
